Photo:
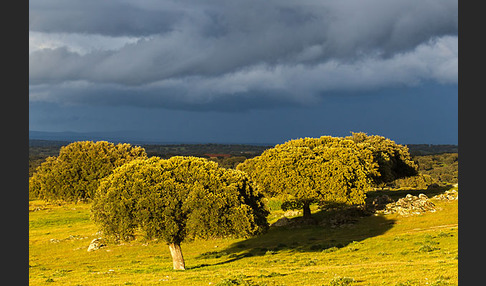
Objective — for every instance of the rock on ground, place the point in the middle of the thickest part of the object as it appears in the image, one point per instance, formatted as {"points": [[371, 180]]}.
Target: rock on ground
{"points": [[96, 244], [448, 195], [282, 222], [410, 205]]}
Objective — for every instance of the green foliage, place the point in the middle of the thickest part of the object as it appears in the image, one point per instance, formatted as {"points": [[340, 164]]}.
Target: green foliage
{"points": [[202, 150], [229, 163], [394, 160], [442, 168], [34, 162], [178, 199], [429, 149], [341, 281], [237, 280], [291, 205], [427, 248], [414, 182], [327, 169], [75, 173], [39, 150]]}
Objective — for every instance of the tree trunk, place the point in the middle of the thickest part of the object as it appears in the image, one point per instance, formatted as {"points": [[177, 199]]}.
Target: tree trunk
{"points": [[307, 211], [177, 259]]}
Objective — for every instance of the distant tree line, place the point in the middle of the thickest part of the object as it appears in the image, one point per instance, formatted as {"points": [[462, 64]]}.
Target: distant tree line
{"points": [[431, 149], [200, 150], [442, 168]]}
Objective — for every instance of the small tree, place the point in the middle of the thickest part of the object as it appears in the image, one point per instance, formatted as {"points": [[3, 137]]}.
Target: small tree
{"points": [[178, 199], [304, 171], [74, 175]]}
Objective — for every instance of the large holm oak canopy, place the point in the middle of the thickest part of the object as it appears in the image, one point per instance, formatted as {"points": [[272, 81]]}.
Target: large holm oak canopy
{"points": [[178, 199], [328, 170]]}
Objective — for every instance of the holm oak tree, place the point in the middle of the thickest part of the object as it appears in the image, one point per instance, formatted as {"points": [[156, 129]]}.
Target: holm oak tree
{"points": [[178, 199], [75, 173], [326, 170]]}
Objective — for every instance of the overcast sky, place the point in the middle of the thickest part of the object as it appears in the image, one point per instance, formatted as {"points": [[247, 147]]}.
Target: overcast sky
{"points": [[245, 71]]}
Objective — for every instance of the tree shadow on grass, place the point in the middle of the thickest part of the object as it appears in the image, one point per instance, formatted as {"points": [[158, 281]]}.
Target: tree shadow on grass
{"points": [[330, 230], [234, 258], [300, 236]]}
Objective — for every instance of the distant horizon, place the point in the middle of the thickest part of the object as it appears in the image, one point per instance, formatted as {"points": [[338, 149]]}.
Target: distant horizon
{"points": [[117, 136], [98, 135]]}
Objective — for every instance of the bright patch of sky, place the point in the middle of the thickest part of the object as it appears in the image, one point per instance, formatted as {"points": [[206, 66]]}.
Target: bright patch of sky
{"points": [[77, 43]]}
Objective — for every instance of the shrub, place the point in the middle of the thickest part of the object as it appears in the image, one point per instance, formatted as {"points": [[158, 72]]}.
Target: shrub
{"points": [[330, 249], [237, 280], [415, 182], [443, 234], [341, 281], [427, 248]]}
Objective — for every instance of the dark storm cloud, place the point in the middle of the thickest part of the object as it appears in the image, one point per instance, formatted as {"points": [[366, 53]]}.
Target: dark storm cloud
{"points": [[178, 96], [192, 53], [111, 18]]}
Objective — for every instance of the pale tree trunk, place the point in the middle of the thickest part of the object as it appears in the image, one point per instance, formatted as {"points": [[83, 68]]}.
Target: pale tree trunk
{"points": [[177, 259]]}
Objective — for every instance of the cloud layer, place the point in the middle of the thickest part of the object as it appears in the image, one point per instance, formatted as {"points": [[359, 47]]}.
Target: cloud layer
{"points": [[245, 54]]}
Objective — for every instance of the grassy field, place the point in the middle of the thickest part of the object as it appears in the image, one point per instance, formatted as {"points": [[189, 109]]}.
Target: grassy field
{"points": [[376, 250]]}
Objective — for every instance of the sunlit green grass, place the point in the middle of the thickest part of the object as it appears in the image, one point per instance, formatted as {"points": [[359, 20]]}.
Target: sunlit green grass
{"points": [[377, 250]]}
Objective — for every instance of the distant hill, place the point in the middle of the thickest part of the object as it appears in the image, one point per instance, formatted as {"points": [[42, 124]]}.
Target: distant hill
{"points": [[41, 138], [132, 137], [47, 143], [69, 136]]}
